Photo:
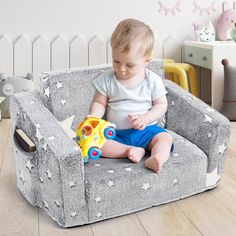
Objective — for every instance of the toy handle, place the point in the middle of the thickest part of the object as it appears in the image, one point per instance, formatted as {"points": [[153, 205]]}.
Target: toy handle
{"points": [[88, 116]]}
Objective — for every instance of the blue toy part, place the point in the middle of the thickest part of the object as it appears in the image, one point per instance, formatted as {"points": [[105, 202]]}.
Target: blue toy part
{"points": [[109, 133], [86, 159], [94, 153]]}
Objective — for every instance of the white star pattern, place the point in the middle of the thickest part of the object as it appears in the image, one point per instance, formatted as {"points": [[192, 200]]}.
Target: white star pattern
{"points": [[209, 135], [212, 178], [209, 109], [175, 154], [44, 77], [32, 102], [29, 165], [51, 138], [76, 148], [128, 169], [49, 174], [72, 184], [38, 135], [63, 102], [98, 199], [73, 214], [59, 85], [37, 126], [66, 125], [188, 99], [44, 147], [208, 119], [172, 103], [146, 186], [110, 183], [111, 171], [99, 214], [175, 181], [222, 148], [47, 92]]}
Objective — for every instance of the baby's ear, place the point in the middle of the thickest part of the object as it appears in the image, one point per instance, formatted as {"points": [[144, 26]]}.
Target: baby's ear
{"points": [[148, 59]]}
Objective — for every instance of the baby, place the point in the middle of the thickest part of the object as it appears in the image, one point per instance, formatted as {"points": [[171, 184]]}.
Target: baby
{"points": [[134, 98]]}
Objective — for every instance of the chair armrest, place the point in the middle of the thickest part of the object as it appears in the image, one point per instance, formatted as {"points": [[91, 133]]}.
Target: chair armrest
{"points": [[199, 123], [54, 173]]}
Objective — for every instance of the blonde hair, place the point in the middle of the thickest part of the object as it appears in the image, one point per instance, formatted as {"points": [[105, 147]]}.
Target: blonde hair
{"points": [[131, 31]]}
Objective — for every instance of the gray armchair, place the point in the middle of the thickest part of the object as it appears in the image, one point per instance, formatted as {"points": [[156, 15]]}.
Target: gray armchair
{"points": [[54, 177]]}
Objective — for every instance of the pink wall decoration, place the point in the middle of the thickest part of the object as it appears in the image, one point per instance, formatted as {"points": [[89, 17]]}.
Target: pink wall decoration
{"points": [[167, 9], [208, 10]]}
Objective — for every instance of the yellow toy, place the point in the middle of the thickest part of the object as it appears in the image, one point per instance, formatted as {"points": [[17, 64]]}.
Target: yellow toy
{"points": [[91, 136]]}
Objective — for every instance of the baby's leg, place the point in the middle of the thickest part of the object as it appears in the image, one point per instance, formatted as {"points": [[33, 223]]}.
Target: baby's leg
{"points": [[115, 149], [160, 151]]}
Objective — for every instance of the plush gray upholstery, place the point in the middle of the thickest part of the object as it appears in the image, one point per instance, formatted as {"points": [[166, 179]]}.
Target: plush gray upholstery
{"points": [[55, 178], [229, 101]]}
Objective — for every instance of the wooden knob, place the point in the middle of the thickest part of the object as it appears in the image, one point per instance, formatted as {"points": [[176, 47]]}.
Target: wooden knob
{"points": [[225, 62]]}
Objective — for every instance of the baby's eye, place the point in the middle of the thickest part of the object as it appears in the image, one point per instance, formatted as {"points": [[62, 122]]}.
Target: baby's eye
{"points": [[117, 62], [130, 65]]}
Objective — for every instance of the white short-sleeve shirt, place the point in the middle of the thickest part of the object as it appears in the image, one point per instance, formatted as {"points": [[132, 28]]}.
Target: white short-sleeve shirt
{"points": [[123, 101]]}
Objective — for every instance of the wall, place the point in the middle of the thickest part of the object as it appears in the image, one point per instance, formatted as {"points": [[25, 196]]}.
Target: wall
{"points": [[76, 22]]}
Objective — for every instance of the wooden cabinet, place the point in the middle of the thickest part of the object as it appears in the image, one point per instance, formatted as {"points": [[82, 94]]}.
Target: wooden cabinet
{"points": [[209, 55]]}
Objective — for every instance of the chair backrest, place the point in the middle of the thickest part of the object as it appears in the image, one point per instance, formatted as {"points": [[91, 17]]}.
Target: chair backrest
{"points": [[69, 93]]}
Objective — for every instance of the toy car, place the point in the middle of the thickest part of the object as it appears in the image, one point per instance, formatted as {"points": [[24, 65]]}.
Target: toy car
{"points": [[91, 136]]}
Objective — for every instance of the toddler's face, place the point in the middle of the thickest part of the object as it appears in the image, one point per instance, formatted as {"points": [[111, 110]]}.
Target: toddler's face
{"points": [[128, 65]]}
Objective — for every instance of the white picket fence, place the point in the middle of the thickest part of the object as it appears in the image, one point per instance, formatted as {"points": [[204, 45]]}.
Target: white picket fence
{"points": [[23, 55]]}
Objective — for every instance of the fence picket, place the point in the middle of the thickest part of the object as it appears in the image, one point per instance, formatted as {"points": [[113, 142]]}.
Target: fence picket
{"points": [[172, 49], [22, 56], [97, 51], [59, 53], [41, 54], [78, 52], [6, 56]]}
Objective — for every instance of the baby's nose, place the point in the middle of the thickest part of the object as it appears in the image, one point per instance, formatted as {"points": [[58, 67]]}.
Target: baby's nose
{"points": [[122, 69]]}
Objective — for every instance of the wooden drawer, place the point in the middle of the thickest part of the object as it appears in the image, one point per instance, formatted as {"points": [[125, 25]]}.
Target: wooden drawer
{"points": [[206, 58], [198, 56], [191, 55]]}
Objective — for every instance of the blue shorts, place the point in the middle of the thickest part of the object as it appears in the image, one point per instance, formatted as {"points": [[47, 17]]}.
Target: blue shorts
{"points": [[138, 138]]}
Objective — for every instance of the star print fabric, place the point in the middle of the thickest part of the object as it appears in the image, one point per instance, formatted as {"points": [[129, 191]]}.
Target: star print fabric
{"points": [[55, 178]]}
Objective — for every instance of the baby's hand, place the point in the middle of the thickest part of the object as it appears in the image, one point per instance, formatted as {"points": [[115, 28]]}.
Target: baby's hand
{"points": [[88, 116], [138, 121]]}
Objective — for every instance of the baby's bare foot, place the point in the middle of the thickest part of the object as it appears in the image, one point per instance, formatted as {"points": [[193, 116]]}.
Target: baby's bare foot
{"points": [[135, 154], [155, 163]]}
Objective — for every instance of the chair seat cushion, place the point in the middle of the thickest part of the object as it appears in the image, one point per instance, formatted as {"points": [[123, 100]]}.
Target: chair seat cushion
{"points": [[117, 186]]}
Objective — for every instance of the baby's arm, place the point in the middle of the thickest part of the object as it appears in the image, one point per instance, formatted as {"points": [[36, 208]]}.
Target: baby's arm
{"points": [[98, 106], [140, 121]]}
